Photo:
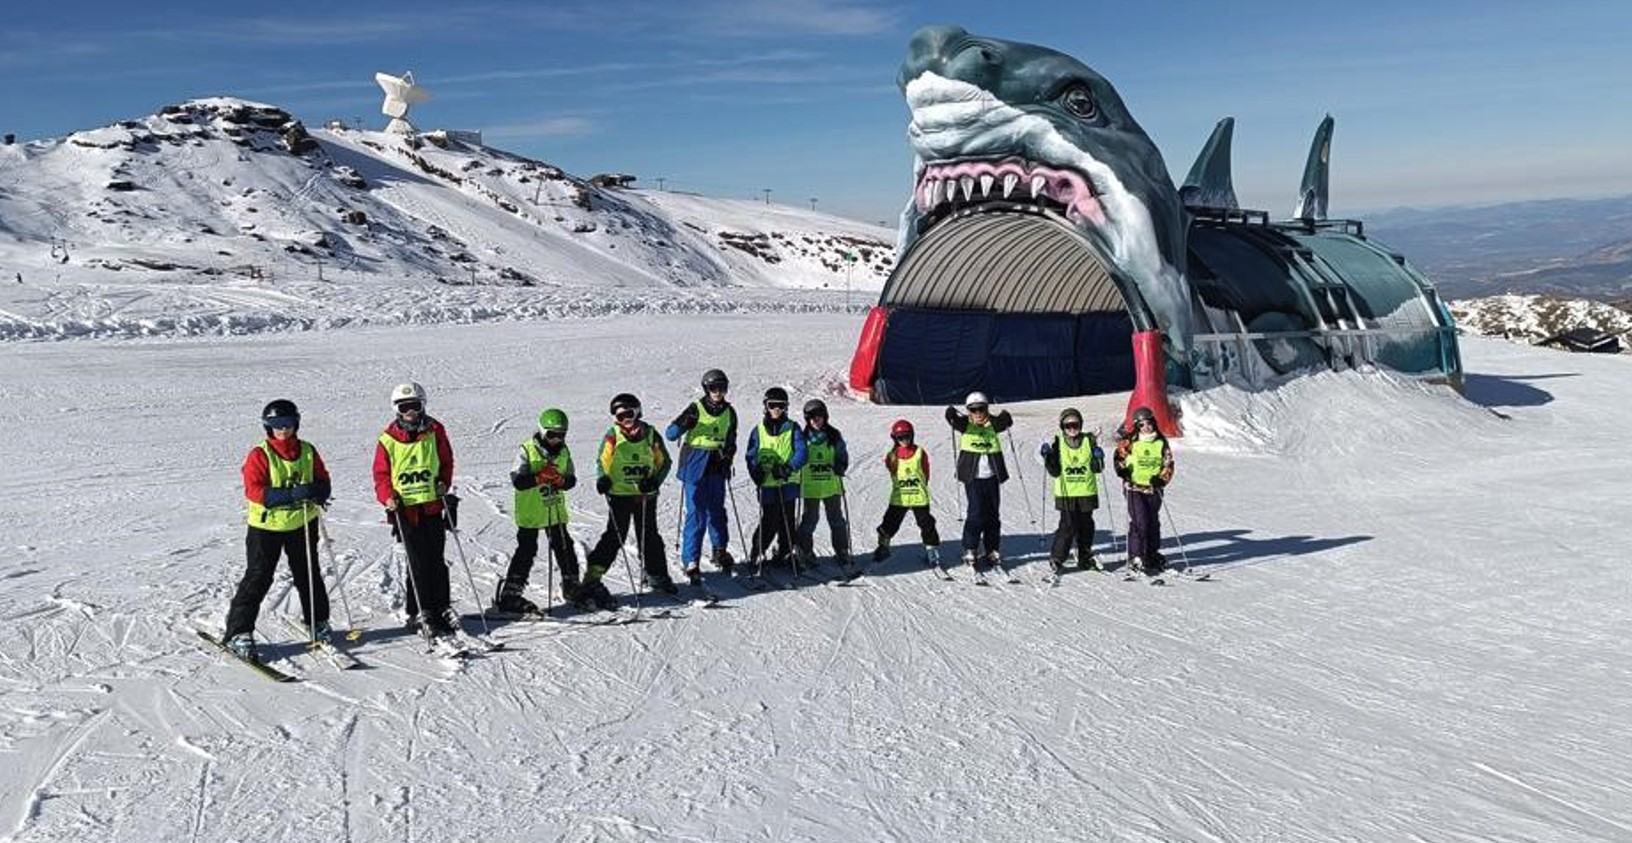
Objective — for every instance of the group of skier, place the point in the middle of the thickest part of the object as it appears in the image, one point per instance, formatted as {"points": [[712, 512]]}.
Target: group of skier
{"points": [[798, 470]]}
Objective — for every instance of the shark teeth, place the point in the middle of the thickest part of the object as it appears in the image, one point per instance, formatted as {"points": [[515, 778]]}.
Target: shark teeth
{"points": [[954, 184]]}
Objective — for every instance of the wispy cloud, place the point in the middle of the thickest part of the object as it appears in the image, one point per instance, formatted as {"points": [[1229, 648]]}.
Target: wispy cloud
{"points": [[750, 18], [549, 127]]}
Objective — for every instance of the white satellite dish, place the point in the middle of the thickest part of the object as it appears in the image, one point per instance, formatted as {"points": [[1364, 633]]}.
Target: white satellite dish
{"points": [[400, 93]]}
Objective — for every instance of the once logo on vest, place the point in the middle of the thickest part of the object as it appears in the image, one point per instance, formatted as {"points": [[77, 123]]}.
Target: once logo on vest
{"points": [[411, 477]]}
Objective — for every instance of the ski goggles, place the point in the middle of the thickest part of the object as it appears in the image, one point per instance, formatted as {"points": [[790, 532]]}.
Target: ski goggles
{"points": [[627, 414], [282, 422], [405, 407], [777, 405], [978, 408], [554, 436]]}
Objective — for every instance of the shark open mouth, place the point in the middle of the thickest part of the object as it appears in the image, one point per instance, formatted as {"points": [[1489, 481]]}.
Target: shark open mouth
{"points": [[948, 186]]}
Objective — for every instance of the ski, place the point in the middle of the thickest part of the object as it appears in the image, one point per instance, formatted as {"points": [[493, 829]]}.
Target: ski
{"points": [[1009, 575], [338, 658], [269, 672]]}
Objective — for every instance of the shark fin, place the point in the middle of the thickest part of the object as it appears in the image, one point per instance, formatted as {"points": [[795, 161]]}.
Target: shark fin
{"points": [[1312, 193], [1209, 184]]}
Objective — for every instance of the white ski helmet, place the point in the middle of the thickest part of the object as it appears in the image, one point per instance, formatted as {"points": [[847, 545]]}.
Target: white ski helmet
{"points": [[976, 399], [407, 392]]}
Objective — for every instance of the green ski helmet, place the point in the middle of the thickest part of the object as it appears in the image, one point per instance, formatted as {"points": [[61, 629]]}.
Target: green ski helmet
{"points": [[552, 420]]}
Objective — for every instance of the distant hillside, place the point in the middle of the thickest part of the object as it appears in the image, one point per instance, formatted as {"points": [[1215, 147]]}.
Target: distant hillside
{"points": [[1528, 318], [222, 209], [1567, 247]]}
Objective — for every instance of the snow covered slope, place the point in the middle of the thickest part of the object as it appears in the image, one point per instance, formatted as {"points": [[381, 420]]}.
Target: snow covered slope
{"points": [[227, 216], [1415, 628], [1529, 318]]}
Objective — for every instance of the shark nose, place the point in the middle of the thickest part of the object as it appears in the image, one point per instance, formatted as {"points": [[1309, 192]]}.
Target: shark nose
{"points": [[951, 52]]}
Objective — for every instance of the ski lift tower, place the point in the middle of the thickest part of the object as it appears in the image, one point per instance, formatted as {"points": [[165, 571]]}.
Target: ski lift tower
{"points": [[400, 93]]}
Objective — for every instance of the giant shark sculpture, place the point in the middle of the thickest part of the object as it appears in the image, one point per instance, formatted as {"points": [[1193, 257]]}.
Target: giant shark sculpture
{"points": [[999, 119], [1044, 233]]}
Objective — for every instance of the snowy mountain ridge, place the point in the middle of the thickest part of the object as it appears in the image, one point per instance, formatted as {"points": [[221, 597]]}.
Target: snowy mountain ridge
{"points": [[1534, 317], [223, 215]]}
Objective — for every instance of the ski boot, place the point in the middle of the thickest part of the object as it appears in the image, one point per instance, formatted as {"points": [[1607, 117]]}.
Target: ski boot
{"points": [[694, 573], [1056, 565], [242, 645], [509, 599], [882, 552], [994, 560], [662, 584], [722, 559], [933, 554], [599, 597]]}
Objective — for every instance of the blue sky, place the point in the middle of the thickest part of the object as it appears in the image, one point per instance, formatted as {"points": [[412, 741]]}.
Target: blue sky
{"points": [[1437, 102]]}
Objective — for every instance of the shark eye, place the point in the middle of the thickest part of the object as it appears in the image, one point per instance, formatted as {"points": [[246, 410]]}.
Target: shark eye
{"points": [[1078, 100]]}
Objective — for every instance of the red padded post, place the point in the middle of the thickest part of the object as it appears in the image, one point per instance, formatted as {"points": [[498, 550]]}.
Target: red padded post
{"points": [[1150, 384], [864, 365]]}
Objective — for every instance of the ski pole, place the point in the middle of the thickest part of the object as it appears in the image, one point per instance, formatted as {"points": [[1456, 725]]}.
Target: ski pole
{"points": [[736, 516], [1110, 512], [1020, 473], [787, 533], [849, 541], [549, 570], [1177, 536], [471, 578], [623, 550], [309, 549], [408, 562], [680, 529], [352, 632]]}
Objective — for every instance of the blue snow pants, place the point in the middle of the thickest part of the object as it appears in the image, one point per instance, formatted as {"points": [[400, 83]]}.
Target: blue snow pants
{"points": [[705, 505]]}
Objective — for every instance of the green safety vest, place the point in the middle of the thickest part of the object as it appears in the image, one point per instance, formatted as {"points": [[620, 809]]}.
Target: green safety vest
{"points": [[774, 451], [710, 431], [414, 466], [816, 479], [1077, 479], [540, 506], [979, 439], [283, 474], [909, 486], [631, 461], [1145, 461]]}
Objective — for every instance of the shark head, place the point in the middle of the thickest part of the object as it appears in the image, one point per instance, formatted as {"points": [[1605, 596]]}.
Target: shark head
{"points": [[996, 121]]}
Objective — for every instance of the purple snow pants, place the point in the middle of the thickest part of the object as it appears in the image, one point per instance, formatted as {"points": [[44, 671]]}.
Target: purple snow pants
{"points": [[1144, 525]]}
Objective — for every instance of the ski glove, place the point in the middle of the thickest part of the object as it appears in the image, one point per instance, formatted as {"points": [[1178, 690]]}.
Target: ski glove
{"points": [[781, 472], [393, 503], [648, 485], [550, 476], [687, 418], [450, 510], [603, 485]]}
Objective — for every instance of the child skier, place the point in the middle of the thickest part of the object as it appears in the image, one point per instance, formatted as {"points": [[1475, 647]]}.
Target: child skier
{"points": [[285, 486], [541, 476], [1144, 461], [707, 432], [776, 453], [631, 466], [821, 482], [908, 466], [981, 471], [1074, 460], [413, 470]]}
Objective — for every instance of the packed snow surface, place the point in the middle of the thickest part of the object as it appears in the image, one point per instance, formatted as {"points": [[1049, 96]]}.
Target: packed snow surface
{"points": [[1415, 627]]}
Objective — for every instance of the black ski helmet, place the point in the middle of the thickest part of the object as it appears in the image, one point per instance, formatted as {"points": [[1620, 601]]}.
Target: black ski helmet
{"points": [[1144, 414], [280, 413], [624, 401], [715, 377], [815, 407], [776, 393]]}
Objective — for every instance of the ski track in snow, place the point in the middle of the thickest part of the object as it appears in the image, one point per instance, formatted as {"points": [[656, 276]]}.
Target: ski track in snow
{"points": [[1415, 630]]}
